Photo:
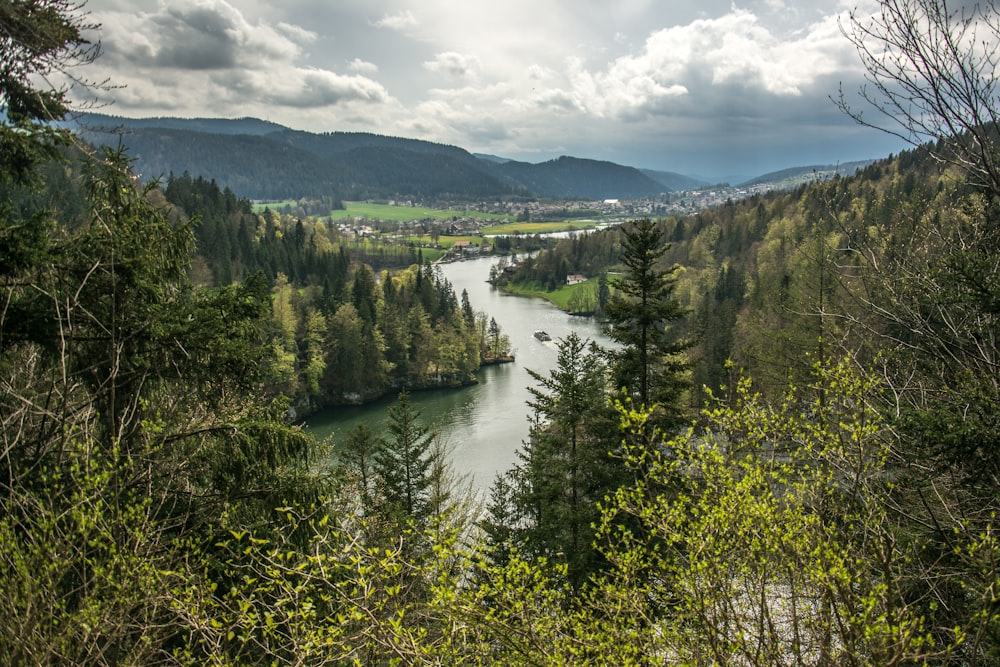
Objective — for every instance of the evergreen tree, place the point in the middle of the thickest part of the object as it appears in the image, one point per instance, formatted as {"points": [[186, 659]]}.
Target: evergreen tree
{"points": [[404, 464], [38, 38], [566, 467], [501, 524], [345, 370], [643, 316], [358, 455], [467, 313]]}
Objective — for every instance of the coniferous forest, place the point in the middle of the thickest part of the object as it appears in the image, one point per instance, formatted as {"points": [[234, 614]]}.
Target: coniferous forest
{"points": [[790, 456]]}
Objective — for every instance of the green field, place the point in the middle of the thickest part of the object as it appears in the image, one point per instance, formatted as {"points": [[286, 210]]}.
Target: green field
{"points": [[503, 224], [559, 297], [445, 242], [405, 213], [529, 228]]}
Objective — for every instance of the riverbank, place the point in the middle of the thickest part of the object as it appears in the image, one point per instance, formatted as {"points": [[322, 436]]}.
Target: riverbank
{"points": [[306, 407], [577, 299], [483, 424]]}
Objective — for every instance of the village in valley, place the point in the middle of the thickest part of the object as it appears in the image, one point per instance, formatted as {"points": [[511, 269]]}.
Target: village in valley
{"points": [[467, 233]]}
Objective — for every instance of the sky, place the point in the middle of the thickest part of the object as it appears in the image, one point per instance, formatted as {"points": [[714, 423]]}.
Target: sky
{"points": [[713, 88]]}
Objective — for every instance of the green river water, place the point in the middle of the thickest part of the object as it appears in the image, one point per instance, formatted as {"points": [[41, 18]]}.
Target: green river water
{"points": [[484, 424]]}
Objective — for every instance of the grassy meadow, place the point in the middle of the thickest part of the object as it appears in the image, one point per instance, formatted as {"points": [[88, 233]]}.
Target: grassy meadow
{"points": [[529, 228], [561, 297], [405, 213], [501, 224]]}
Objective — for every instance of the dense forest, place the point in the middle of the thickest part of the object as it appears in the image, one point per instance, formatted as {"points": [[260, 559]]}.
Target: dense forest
{"points": [[768, 282], [265, 161], [279, 167], [351, 321], [790, 455]]}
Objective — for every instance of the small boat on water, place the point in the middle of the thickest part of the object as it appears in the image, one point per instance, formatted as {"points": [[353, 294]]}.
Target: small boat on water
{"points": [[542, 336]]}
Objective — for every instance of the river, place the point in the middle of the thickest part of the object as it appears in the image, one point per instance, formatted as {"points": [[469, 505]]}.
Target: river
{"points": [[484, 424]]}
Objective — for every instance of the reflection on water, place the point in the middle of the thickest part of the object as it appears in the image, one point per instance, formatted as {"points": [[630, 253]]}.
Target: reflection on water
{"points": [[483, 424]]}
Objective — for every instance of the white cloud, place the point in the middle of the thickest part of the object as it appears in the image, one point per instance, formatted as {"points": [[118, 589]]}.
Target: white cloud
{"points": [[538, 72], [297, 33], [202, 57], [455, 64], [316, 88], [401, 21], [732, 51], [362, 66], [582, 77], [197, 34]]}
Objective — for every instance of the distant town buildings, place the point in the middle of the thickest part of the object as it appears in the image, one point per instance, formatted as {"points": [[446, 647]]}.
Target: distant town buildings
{"points": [[603, 212]]}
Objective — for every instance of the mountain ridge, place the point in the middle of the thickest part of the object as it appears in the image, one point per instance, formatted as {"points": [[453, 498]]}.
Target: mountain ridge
{"points": [[259, 159]]}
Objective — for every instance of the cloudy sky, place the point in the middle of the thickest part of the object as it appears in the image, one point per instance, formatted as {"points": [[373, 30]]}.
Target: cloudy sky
{"points": [[709, 87]]}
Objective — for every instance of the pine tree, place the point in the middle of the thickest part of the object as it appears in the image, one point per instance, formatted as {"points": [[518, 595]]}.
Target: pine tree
{"points": [[643, 314], [566, 467], [38, 38], [404, 463], [358, 455]]}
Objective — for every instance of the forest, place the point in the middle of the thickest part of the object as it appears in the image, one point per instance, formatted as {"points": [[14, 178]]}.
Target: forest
{"points": [[278, 163], [350, 321], [790, 455], [772, 282], [262, 160]]}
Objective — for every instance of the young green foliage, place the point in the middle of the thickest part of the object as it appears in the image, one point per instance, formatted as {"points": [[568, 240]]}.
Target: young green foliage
{"points": [[776, 545]]}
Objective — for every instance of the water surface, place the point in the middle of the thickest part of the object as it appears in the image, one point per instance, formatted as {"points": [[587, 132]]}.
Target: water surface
{"points": [[484, 424]]}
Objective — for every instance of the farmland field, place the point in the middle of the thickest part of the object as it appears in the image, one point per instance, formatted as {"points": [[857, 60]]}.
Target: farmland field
{"points": [[445, 242], [404, 213], [539, 227]]}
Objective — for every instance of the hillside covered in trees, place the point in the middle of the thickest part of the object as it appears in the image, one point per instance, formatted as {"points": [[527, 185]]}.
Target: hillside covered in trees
{"points": [[767, 282], [261, 160], [350, 319], [832, 499]]}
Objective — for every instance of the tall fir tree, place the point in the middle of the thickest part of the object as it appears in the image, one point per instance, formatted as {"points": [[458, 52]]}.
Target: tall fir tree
{"points": [[566, 465], [643, 316], [404, 463]]}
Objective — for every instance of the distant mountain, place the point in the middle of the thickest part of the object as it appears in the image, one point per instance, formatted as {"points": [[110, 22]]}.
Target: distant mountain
{"points": [[492, 158], [228, 126], [578, 177], [821, 171], [673, 181], [259, 159], [263, 160]]}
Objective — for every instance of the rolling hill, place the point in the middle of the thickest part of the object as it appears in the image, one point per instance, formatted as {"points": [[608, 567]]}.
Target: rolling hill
{"points": [[259, 159], [262, 160], [580, 178], [817, 171]]}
